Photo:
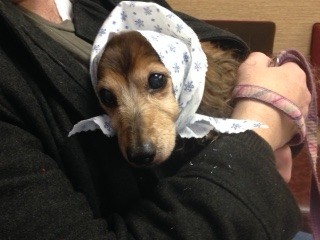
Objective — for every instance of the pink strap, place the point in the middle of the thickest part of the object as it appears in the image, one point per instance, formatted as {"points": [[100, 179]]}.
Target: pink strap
{"points": [[279, 102], [308, 126]]}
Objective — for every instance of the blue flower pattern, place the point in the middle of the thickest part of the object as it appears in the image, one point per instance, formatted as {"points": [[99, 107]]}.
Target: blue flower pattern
{"points": [[147, 11], [107, 126], [157, 28], [96, 48], [257, 125], [172, 48], [124, 16], [197, 66], [179, 28], [102, 31], [236, 126], [139, 23], [186, 57], [188, 86], [176, 68]]}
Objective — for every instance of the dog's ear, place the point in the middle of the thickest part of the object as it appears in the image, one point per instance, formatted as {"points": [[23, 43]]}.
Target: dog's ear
{"points": [[220, 81]]}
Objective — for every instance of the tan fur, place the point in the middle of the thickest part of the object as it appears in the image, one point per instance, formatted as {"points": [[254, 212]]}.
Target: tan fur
{"points": [[148, 116]]}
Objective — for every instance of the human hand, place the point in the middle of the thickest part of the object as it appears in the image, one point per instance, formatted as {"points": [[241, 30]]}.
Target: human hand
{"points": [[288, 80], [256, 71]]}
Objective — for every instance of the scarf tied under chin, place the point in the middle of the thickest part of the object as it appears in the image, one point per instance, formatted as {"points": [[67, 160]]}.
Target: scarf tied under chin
{"points": [[180, 51]]}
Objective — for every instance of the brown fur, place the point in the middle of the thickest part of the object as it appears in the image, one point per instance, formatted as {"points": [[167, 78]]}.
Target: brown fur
{"points": [[220, 81], [143, 115]]}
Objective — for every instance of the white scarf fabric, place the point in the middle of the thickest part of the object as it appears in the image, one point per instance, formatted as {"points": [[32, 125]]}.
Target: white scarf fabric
{"points": [[180, 51], [64, 8]]}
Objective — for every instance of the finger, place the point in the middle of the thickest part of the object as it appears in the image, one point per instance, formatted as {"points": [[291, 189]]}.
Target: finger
{"points": [[283, 160], [257, 59], [294, 69]]}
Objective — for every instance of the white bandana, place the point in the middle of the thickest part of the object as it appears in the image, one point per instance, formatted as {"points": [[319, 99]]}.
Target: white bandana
{"points": [[180, 51]]}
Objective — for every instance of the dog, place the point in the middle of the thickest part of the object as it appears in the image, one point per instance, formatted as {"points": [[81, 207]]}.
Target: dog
{"points": [[136, 91]]}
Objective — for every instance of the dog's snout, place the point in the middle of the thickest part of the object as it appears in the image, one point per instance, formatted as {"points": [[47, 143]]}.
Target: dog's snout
{"points": [[142, 155]]}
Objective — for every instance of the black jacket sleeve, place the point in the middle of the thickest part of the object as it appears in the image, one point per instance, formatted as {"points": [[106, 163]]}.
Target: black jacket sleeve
{"points": [[231, 190]]}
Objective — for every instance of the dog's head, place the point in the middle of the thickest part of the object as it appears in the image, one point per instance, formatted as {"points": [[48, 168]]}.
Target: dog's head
{"points": [[135, 90]]}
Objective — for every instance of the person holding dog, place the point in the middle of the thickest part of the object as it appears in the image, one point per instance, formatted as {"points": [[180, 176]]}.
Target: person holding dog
{"points": [[57, 187]]}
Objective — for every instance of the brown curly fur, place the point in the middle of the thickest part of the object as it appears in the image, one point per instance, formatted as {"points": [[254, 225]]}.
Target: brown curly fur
{"points": [[143, 117], [220, 81]]}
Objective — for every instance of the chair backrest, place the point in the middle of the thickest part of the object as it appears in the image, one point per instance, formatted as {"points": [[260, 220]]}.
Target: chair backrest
{"points": [[259, 35]]}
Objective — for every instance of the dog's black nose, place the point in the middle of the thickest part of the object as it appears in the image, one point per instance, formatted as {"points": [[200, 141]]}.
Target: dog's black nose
{"points": [[142, 155]]}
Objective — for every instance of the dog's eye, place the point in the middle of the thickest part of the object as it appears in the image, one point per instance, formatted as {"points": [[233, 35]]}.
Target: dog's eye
{"points": [[108, 98], [156, 81]]}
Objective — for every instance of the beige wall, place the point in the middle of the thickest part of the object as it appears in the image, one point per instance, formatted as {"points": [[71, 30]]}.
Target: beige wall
{"points": [[293, 18]]}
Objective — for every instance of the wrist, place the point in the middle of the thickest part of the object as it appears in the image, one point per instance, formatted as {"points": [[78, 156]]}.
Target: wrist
{"points": [[281, 128]]}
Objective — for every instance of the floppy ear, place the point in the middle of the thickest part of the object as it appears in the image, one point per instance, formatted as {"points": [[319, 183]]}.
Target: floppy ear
{"points": [[220, 81]]}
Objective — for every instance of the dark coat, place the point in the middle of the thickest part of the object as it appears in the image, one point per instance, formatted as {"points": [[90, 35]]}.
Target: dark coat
{"points": [[55, 187]]}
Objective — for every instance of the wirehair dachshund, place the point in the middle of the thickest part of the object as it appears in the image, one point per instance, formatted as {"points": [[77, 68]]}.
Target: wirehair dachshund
{"points": [[136, 91]]}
